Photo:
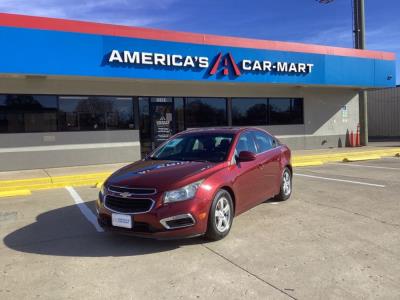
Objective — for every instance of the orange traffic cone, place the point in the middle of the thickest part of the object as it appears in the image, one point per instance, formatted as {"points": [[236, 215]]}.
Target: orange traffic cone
{"points": [[351, 139]]}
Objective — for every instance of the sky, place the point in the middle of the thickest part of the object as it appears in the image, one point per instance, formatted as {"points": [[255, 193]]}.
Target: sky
{"points": [[283, 20]]}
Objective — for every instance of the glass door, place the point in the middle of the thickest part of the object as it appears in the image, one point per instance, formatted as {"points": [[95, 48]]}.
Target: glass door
{"points": [[161, 120]]}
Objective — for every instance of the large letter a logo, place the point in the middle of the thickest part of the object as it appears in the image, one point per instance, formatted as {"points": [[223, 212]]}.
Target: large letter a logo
{"points": [[226, 59]]}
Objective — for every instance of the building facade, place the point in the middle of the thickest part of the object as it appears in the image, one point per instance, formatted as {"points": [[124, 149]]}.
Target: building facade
{"points": [[77, 93], [384, 113]]}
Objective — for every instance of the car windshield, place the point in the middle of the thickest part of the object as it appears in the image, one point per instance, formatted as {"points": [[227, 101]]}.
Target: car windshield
{"points": [[195, 147]]}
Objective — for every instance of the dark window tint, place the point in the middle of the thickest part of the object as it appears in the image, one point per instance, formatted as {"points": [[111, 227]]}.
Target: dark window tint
{"points": [[263, 141], [144, 116], [95, 113], [285, 111], [247, 112], [193, 147], [179, 114], [245, 143], [203, 112], [144, 125], [28, 113]]}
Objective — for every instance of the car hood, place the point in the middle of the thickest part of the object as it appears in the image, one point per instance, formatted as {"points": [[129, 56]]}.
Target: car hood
{"points": [[160, 174]]}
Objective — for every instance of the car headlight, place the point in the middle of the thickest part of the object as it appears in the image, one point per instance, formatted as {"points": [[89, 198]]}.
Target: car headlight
{"points": [[103, 190], [185, 193]]}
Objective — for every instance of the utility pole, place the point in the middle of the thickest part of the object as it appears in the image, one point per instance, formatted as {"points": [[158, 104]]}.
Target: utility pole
{"points": [[359, 43]]}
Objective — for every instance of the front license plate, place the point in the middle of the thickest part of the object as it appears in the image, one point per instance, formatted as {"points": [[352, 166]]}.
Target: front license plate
{"points": [[119, 220]]}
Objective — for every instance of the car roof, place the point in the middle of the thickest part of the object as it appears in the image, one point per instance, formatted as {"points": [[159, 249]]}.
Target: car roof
{"points": [[217, 130]]}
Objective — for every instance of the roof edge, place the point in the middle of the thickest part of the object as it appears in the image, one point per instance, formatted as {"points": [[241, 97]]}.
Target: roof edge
{"points": [[55, 24]]}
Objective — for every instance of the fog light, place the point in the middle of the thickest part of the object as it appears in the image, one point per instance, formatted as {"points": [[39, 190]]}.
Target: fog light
{"points": [[179, 221]]}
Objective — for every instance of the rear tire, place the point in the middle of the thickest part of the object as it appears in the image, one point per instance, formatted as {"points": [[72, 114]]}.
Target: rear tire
{"points": [[220, 217], [286, 185]]}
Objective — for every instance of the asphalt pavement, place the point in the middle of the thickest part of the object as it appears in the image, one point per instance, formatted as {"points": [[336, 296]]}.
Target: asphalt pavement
{"points": [[338, 237]]}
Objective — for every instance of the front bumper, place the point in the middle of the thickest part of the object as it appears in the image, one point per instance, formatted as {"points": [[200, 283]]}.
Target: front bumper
{"points": [[173, 220]]}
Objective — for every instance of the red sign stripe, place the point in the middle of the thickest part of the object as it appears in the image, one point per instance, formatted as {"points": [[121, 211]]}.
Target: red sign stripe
{"points": [[22, 21]]}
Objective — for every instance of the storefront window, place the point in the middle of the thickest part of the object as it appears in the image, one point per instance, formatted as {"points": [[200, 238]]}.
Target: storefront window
{"points": [[249, 111], [95, 113], [144, 115], [179, 114], [204, 112], [28, 113], [285, 111]]}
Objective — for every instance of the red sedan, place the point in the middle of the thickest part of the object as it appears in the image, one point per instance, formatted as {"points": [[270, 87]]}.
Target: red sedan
{"points": [[195, 183]]}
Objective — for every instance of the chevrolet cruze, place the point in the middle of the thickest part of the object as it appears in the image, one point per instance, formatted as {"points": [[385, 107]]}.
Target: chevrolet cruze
{"points": [[196, 183]]}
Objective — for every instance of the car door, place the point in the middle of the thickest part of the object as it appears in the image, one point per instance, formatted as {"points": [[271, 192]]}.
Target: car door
{"points": [[269, 155], [248, 183]]}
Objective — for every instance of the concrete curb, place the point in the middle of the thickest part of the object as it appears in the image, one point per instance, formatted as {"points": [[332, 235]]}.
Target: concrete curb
{"points": [[12, 193], [22, 187], [312, 160], [8, 187]]}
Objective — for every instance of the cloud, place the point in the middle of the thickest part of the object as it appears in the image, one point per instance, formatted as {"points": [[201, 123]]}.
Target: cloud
{"points": [[337, 36], [126, 12]]}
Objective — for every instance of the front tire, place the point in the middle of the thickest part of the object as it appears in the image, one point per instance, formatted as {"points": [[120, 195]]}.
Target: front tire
{"points": [[220, 217], [286, 186]]}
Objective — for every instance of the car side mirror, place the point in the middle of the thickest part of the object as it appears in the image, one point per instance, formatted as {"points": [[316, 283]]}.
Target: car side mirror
{"points": [[246, 156]]}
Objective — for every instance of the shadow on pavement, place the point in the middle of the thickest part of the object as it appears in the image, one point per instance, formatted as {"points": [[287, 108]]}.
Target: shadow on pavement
{"points": [[65, 232]]}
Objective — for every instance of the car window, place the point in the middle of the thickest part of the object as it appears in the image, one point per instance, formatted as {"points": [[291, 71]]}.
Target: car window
{"points": [[263, 141], [245, 143], [190, 147], [172, 147]]}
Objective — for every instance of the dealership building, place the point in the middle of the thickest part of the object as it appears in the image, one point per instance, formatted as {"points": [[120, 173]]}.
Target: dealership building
{"points": [[80, 93]]}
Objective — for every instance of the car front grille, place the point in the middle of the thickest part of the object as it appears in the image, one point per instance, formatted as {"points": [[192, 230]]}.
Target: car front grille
{"points": [[133, 191], [128, 205]]}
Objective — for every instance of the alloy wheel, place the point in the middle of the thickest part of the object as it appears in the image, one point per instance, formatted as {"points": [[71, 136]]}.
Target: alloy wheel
{"points": [[222, 214], [286, 185]]}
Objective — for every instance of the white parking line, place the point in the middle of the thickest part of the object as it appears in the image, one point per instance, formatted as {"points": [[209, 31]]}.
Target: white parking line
{"points": [[340, 180], [84, 209], [364, 166]]}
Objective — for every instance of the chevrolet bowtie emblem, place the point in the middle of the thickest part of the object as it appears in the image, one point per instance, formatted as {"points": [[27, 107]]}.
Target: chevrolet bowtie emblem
{"points": [[125, 195]]}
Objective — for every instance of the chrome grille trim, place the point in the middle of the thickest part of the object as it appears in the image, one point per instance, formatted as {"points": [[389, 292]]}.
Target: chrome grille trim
{"points": [[127, 213], [152, 191]]}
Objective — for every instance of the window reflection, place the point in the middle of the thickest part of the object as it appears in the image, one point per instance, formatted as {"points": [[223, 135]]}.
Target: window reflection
{"points": [[249, 111], [179, 114], [95, 113], [266, 111], [203, 112], [28, 113], [285, 111]]}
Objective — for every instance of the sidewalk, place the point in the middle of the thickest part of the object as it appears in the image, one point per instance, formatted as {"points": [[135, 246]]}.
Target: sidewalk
{"points": [[23, 182]]}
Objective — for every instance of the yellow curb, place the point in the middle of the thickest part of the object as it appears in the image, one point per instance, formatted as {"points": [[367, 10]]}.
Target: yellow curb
{"points": [[36, 182], [307, 164], [97, 179], [19, 182], [80, 177], [99, 184], [359, 158], [15, 193], [59, 182]]}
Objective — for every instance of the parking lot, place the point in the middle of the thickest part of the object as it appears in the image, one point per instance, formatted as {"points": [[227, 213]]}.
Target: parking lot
{"points": [[337, 237]]}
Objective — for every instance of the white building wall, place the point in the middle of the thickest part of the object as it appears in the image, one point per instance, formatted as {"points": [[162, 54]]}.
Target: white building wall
{"points": [[329, 114]]}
